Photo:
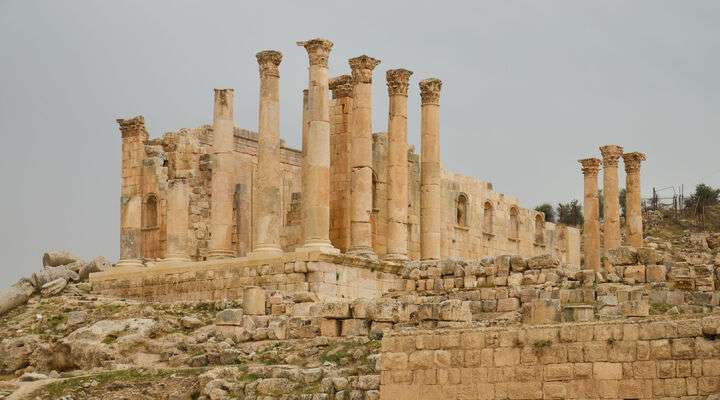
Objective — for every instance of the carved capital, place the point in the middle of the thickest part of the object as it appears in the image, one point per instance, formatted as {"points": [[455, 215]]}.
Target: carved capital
{"points": [[590, 166], [611, 154], [430, 91], [318, 51], [223, 97], [398, 81], [269, 62], [341, 86], [632, 161], [362, 68], [132, 127]]}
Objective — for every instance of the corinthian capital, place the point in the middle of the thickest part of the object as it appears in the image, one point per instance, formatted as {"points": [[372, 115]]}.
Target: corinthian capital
{"points": [[362, 68], [397, 81], [611, 154], [132, 127], [590, 166], [633, 160], [430, 90], [341, 86], [318, 51], [269, 62]]}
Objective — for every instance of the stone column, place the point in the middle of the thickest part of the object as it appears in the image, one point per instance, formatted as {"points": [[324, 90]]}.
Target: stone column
{"points": [[342, 88], [611, 199], [316, 152], [267, 220], [221, 190], [134, 136], [176, 226], [633, 210], [361, 157], [430, 170], [397, 202], [591, 227]]}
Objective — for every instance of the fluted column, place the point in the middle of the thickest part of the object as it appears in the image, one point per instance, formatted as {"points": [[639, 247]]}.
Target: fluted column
{"points": [[591, 227], [611, 199], [316, 151], [221, 190], [397, 84], [134, 136], [266, 205], [633, 210], [430, 170], [361, 156], [341, 88], [176, 225]]}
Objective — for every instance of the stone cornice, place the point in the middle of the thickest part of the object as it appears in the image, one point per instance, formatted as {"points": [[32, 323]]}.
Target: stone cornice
{"points": [[318, 51], [632, 161], [611, 154], [430, 90], [398, 81], [362, 68], [341, 86], [269, 62], [590, 166]]}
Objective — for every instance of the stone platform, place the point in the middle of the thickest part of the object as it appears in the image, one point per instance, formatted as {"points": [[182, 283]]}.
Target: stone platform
{"points": [[330, 277]]}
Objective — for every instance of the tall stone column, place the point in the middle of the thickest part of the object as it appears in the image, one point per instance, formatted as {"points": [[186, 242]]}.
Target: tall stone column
{"points": [[361, 157], [430, 170], [316, 152], [341, 88], [221, 190], [176, 226], [633, 210], [397, 84], [267, 219], [611, 199], [134, 136], [591, 227]]}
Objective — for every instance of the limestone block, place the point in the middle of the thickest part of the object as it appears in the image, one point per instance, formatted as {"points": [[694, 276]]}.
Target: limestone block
{"points": [[254, 300], [606, 370], [623, 255], [509, 304], [543, 311], [53, 287], [543, 261], [380, 327], [359, 308], [648, 256], [656, 273], [518, 264], [515, 279], [355, 327], [336, 310], [229, 316], [635, 308], [455, 310], [634, 274], [330, 327], [384, 310]]}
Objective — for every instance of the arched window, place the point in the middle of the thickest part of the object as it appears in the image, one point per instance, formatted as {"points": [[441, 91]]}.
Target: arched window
{"points": [[488, 218], [539, 229], [461, 210], [150, 212], [514, 231]]}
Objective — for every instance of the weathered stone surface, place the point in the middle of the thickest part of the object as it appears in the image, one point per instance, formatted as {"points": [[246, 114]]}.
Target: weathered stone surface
{"points": [[623, 255], [53, 288]]}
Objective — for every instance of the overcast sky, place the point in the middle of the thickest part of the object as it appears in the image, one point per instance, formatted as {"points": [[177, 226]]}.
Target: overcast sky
{"points": [[529, 87]]}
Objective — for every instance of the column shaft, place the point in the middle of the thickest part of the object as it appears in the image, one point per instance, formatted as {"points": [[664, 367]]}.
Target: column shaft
{"points": [[361, 157], [397, 202], [176, 226], [134, 136], [591, 227], [341, 88], [221, 190], [267, 220], [633, 207], [316, 152], [611, 199], [430, 170]]}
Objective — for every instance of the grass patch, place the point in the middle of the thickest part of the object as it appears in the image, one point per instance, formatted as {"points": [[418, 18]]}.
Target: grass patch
{"points": [[541, 344]]}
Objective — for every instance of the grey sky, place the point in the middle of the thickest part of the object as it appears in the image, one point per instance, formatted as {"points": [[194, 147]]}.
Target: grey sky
{"points": [[529, 87]]}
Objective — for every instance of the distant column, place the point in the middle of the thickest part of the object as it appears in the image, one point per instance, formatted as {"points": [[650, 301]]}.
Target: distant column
{"points": [[221, 190], [591, 226], [611, 199], [341, 87], [134, 136], [176, 225], [430, 172], [397, 84], [633, 210], [361, 157], [316, 152], [266, 205]]}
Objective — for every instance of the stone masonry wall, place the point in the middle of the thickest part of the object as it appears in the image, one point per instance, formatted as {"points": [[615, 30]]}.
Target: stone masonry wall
{"points": [[669, 359]]}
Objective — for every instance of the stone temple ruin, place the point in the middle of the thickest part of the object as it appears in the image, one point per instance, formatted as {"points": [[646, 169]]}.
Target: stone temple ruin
{"points": [[357, 235]]}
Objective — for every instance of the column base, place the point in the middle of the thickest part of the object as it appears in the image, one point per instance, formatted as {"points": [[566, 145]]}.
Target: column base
{"points": [[220, 254], [129, 262], [321, 246], [176, 258], [396, 257], [362, 251], [266, 251]]}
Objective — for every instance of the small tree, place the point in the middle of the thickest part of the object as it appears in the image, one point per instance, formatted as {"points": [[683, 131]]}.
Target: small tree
{"points": [[570, 213], [548, 210], [704, 196]]}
